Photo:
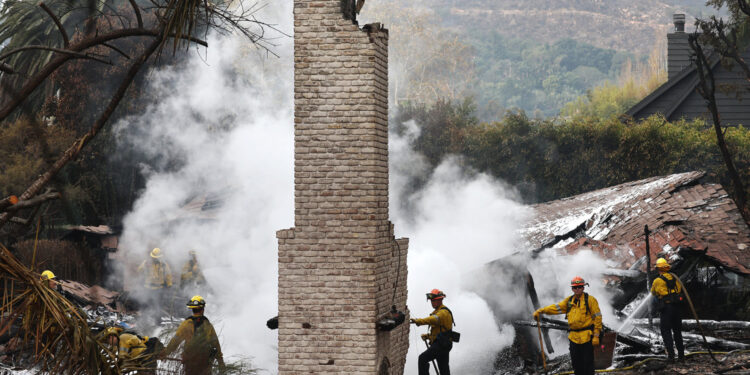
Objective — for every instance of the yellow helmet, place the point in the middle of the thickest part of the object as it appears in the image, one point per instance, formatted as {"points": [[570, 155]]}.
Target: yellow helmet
{"points": [[113, 331], [197, 302], [156, 253], [47, 275], [662, 263]]}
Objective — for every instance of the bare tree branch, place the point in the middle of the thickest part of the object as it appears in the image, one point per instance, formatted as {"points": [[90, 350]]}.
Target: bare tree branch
{"points": [[707, 89], [75, 149], [137, 11], [8, 201], [84, 44], [53, 49], [5, 68], [110, 46], [39, 199], [66, 40]]}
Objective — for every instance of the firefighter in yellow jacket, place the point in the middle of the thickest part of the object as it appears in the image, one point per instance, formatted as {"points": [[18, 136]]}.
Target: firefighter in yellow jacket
{"points": [[439, 341], [200, 343], [668, 290], [192, 276], [156, 273], [584, 322], [135, 353]]}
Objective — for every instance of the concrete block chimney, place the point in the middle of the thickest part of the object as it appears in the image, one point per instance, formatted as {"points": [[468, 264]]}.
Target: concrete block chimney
{"points": [[678, 49], [340, 267]]}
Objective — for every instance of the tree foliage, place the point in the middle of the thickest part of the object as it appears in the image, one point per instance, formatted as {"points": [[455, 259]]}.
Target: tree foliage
{"points": [[549, 160]]}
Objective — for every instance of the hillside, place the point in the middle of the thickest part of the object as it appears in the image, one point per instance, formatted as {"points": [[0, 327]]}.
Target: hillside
{"points": [[533, 55], [627, 26]]}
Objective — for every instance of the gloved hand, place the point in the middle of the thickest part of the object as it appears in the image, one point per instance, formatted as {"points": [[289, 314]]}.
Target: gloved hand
{"points": [[425, 336], [537, 313], [595, 341], [415, 322]]}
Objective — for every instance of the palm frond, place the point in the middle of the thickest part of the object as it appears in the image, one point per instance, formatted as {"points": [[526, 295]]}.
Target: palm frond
{"points": [[48, 325]]}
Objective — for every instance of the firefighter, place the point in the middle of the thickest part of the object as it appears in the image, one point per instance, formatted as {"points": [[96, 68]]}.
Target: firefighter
{"points": [[134, 352], [156, 273], [201, 345], [192, 276], [584, 322], [49, 277], [157, 282], [439, 342], [668, 290]]}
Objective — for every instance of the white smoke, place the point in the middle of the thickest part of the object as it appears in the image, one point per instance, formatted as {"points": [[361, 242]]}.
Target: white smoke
{"points": [[223, 124], [222, 127], [458, 222]]}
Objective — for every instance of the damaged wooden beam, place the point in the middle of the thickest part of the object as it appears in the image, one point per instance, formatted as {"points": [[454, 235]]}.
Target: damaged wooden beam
{"points": [[535, 302], [39, 199], [691, 324], [623, 338]]}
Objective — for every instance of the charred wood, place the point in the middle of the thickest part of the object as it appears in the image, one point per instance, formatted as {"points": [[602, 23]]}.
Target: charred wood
{"points": [[691, 324], [33, 201], [535, 302]]}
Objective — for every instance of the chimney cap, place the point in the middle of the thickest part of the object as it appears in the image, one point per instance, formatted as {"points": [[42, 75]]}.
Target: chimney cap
{"points": [[679, 22]]}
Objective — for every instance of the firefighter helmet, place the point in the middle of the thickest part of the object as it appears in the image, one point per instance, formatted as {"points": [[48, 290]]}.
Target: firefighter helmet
{"points": [[156, 253], [435, 294], [197, 302], [662, 263], [578, 281], [47, 275]]}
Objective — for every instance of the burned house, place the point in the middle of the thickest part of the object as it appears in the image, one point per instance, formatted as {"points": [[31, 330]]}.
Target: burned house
{"points": [[693, 223], [678, 98]]}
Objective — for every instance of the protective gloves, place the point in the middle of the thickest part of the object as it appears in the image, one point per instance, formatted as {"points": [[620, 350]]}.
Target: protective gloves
{"points": [[537, 313], [595, 341]]}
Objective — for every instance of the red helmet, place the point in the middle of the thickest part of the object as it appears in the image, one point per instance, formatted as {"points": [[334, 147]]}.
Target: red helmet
{"points": [[435, 294], [577, 281]]}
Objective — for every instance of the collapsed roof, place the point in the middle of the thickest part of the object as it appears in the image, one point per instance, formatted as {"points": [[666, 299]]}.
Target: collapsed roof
{"points": [[683, 214]]}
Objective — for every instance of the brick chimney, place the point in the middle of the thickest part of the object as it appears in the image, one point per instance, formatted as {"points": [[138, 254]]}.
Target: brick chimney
{"points": [[678, 49], [340, 267]]}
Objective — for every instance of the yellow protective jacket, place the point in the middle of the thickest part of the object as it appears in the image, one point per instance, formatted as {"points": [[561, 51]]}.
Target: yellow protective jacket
{"points": [[131, 346], [156, 274], [201, 342], [578, 318], [441, 320], [191, 272], [659, 286]]}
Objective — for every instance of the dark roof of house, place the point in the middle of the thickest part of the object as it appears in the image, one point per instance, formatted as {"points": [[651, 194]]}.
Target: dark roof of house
{"points": [[678, 98], [682, 213]]}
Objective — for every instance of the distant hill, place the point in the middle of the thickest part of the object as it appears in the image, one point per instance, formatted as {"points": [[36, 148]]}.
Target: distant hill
{"points": [[531, 54], [631, 25]]}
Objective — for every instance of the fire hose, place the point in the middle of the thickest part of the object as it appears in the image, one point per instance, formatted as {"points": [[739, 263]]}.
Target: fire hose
{"points": [[695, 315]]}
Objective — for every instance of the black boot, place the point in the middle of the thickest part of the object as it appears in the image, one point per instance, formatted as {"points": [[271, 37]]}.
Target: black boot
{"points": [[670, 356], [681, 356]]}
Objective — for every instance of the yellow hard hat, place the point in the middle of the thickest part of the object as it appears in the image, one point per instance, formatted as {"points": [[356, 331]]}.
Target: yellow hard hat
{"points": [[662, 263], [113, 331], [47, 275], [156, 253], [197, 302]]}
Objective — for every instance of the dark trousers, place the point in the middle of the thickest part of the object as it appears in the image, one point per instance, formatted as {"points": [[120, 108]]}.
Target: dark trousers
{"points": [[435, 352], [582, 358], [671, 328]]}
